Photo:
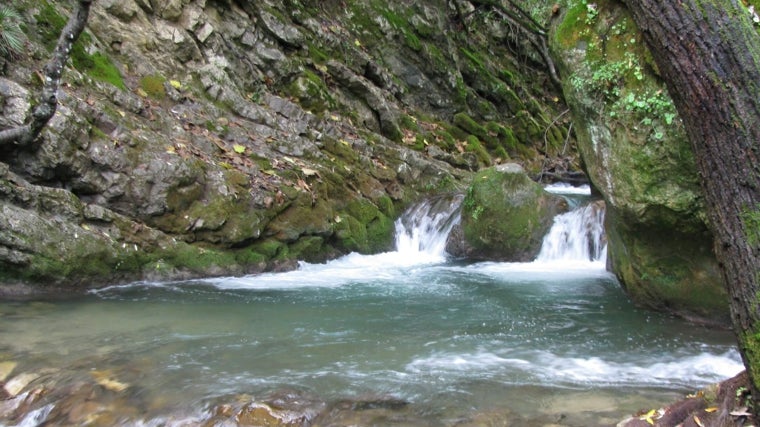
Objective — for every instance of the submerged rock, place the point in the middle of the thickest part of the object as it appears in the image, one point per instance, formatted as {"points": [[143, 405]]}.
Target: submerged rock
{"points": [[505, 216]]}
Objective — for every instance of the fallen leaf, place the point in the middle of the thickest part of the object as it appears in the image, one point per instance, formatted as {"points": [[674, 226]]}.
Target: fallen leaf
{"points": [[741, 412], [175, 84], [711, 409], [650, 416], [309, 172], [698, 421], [303, 186], [240, 149]]}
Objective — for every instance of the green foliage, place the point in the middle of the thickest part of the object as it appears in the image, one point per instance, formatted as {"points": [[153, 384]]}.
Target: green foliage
{"points": [[616, 74], [11, 35]]}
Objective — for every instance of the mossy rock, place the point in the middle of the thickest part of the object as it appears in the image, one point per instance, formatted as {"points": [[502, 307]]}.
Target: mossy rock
{"points": [[505, 215], [311, 92], [351, 234], [637, 154], [303, 219], [665, 269], [364, 228]]}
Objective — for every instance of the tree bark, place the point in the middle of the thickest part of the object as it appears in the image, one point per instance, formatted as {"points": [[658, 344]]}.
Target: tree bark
{"points": [[24, 136], [709, 55]]}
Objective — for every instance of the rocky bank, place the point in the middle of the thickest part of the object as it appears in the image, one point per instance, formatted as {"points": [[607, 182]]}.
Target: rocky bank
{"points": [[199, 138]]}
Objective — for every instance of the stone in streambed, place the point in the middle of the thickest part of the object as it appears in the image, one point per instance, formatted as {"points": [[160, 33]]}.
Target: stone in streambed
{"points": [[505, 216]]}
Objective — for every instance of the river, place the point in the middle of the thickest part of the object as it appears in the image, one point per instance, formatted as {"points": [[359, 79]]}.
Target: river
{"points": [[419, 338]]}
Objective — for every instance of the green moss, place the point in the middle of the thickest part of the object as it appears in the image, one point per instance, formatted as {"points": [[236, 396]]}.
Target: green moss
{"points": [[750, 345], [408, 122], [363, 210], [311, 92], [569, 30], [505, 214], [308, 248], [248, 257], [419, 143], [317, 55], [103, 69], [385, 204], [380, 234], [351, 234], [750, 218], [270, 248], [198, 259], [97, 65], [474, 146], [401, 24], [49, 24], [474, 58], [153, 85]]}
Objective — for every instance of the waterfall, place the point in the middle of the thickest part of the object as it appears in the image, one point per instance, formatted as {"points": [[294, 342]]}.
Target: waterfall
{"points": [[577, 235], [424, 228]]}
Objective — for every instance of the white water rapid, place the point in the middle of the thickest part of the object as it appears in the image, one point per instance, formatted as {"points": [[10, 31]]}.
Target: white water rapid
{"points": [[423, 230]]}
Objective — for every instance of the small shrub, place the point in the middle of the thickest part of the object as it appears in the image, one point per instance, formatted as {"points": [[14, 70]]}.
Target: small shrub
{"points": [[11, 35]]}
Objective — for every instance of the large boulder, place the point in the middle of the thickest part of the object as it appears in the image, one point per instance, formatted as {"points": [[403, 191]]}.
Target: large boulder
{"points": [[505, 216], [637, 155]]}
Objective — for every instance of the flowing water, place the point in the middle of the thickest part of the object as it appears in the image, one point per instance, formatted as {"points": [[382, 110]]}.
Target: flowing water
{"points": [[552, 342]]}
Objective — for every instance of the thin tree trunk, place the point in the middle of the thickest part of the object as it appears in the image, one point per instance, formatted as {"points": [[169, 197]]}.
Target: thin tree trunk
{"points": [[709, 55], [25, 135]]}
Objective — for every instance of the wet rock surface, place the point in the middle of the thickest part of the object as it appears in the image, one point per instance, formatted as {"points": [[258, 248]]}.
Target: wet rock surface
{"points": [[638, 157], [505, 216], [196, 138]]}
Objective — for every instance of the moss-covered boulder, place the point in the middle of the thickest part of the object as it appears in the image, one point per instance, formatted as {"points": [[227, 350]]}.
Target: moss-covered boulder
{"points": [[637, 155], [505, 216]]}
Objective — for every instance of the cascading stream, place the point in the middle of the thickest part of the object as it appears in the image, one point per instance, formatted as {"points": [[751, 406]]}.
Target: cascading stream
{"points": [[424, 228], [577, 235], [452, 340]]}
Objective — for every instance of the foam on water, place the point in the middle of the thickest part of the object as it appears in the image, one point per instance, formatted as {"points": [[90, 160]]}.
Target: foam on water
{"points": [[540, 367], [564, 188]]}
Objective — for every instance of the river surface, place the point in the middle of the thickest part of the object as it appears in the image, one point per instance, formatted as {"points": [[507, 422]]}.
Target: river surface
{"points": [[552, 342]]}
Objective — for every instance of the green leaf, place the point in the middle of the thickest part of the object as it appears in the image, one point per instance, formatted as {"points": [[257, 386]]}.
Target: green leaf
{"points": [[240, 149]]}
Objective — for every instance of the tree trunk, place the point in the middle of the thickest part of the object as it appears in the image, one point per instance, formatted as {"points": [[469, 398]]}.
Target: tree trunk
{"points": [[25, 135], [709, 55]]}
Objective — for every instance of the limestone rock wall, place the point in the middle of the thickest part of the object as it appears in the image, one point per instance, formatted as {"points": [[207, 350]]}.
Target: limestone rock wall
{"points": [[233, 137]]}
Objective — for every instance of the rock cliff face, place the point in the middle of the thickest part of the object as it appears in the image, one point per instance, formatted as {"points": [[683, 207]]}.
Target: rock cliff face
{"points": [[636, 154], [200, 137]]}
